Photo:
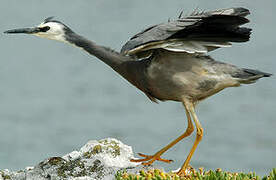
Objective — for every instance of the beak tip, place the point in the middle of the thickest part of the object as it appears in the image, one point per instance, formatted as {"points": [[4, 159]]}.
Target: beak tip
{"points": [[20, 31], [8, 32]]}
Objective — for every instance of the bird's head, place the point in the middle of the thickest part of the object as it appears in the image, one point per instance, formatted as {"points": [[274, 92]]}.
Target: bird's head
{"points": [[49, 28]]}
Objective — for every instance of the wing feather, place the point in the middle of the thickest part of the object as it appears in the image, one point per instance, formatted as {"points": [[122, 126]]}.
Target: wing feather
{"points": [[199, 32]]}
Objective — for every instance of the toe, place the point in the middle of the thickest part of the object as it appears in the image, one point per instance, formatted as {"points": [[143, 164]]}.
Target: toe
{"points": [[145, 156], [137, 160], [165, 160]]}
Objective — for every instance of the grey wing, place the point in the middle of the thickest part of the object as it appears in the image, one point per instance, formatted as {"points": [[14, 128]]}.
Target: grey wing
{"points": [[199, 32]]}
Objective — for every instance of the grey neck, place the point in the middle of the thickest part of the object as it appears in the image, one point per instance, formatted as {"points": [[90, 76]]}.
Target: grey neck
{"points": [[108, 56]]}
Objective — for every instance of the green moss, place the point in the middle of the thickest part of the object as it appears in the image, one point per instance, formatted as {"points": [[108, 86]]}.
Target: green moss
{"points": [[61, 173], [115, 150], [112, 145], [20, 171], [67, 169], [87, 154], [54, 161], [157, 174], [108, 145], [98, 168], [96, 150], [4, 176], [104, 141]]}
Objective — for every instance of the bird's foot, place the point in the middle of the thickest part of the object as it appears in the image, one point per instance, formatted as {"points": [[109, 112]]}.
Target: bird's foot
{"points": [[150, 159]]}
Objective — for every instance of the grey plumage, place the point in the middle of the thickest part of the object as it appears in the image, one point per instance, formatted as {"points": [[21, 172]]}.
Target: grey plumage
{"points": [[169, 61], [213, 26], [185, 43]]}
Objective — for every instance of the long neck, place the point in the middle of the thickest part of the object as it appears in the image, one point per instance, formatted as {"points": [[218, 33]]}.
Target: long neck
{"points": [[127, 67], [108, 56]]}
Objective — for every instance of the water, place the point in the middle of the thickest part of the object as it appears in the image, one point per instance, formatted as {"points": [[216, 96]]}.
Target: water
{"points": [[54, 98]]}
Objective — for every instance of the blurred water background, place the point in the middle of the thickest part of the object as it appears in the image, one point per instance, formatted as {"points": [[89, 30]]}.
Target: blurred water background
{"points": [[54, 97]]}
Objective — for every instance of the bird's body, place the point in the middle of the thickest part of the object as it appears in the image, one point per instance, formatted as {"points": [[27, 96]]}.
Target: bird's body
{"points": [[174, 76], [169, 61]]}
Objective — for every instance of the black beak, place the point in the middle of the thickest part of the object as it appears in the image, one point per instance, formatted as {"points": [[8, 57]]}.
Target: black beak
{"points": [[23, 30]]}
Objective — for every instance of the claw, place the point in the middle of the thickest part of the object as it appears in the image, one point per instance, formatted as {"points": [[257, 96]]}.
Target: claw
{"points": [[150, 159]]}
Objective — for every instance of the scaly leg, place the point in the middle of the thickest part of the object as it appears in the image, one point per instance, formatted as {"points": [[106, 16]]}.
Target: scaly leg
{"points": [[157, 155], [199, 134]]}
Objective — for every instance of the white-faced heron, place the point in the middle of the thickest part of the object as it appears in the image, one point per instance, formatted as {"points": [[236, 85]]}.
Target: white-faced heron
{"points": [[169, 61]]}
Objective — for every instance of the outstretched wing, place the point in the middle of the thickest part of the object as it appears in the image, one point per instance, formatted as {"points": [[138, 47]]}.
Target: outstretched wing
{"points": [[199, 32]]}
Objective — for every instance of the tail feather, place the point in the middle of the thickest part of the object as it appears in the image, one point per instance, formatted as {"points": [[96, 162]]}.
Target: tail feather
{"points": [[257, 72], [248, 76]]}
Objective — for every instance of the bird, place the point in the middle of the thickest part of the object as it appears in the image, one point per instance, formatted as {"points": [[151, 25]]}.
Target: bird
{"points": [[170, 61]]}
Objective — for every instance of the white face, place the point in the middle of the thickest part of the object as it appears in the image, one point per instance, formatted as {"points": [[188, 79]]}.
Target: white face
{"points": [[55, 31]]}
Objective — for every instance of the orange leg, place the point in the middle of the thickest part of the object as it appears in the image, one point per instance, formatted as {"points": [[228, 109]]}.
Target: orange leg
{"points": [[157, 156], [199, 134]]}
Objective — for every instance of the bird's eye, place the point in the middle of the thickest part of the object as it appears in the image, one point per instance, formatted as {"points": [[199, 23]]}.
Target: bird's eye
{"points": [[44, 29]]}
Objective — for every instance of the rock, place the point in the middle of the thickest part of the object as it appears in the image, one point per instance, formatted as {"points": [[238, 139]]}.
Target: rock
{"points": [[95, 160]]}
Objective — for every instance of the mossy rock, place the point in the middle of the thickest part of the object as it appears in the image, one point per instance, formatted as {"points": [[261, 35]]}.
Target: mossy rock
{"points": [[4, 175]]}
